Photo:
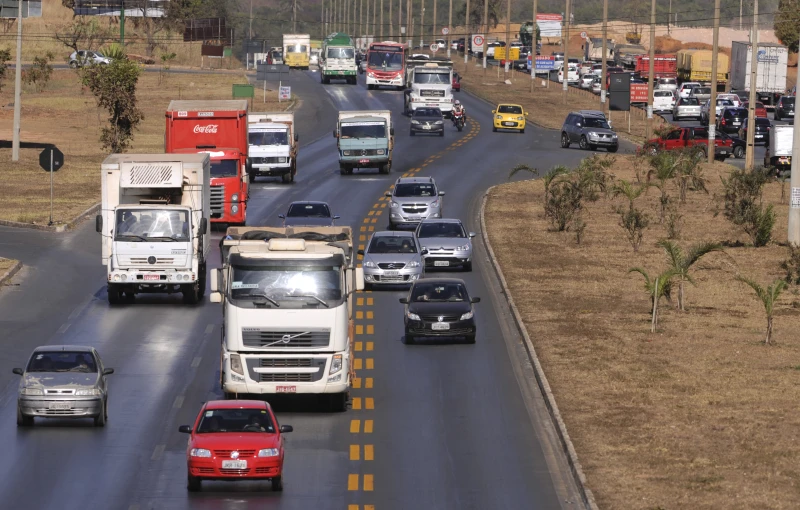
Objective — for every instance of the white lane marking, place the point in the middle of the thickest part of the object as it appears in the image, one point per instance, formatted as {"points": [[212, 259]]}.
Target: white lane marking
{"points": [[196, 361], [178, 402], [157, 452], [64, 327], [77, 311], [209, 329]]}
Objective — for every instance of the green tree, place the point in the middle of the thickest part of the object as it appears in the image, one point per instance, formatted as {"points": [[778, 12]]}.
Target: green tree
{"points": [[787, 23], [743, 207], [768, 297], [681, 262], [38, 74], [5, 56], [628, 190], [114, 87]]}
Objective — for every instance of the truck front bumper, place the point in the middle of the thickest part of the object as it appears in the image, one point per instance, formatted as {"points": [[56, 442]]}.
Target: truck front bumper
{"points": [[339, 72], [269, 170], [393, 82], [363, 161], [286, 373], [153, 279]]}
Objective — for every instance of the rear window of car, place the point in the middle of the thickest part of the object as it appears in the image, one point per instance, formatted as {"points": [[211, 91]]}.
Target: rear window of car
{"points": [[701, 90], [690, 101], [662, 93], [735, 112], [667, 81], [788, 100]]}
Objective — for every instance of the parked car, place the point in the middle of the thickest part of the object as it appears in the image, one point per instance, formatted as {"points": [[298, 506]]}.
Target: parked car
{"points": [[427, 120], [686, 88], [63, 381], [392, 258], [83, 58], [235, 440], [785, 107], [439, 307], [447, 243], [705, 109], [412, 200], [670, 84], [760, 111], [308, 214], [509, 116], [762, 132], [730, 120], [663, 100], [589, 131], [686, 108]]}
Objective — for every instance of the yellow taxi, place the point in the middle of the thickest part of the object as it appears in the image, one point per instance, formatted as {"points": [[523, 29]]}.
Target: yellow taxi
{"points": [[509, 116]]}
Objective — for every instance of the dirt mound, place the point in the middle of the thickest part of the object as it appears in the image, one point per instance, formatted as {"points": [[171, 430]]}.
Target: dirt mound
{"points": [[667, 44]]}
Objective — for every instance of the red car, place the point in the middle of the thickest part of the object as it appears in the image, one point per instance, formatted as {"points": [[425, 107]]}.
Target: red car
{"points": [[760, 110], [235, 440], [456, 82]]}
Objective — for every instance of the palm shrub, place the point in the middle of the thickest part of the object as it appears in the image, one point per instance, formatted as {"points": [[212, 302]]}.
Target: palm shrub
{"points": [[768, 297], [681, 262], [743, 207], [663, 168], [656, 287], [689, 173]]}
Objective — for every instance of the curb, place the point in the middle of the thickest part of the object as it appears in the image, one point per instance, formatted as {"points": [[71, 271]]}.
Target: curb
{"points": [[10, 273], [54, 228], [541, 379]]}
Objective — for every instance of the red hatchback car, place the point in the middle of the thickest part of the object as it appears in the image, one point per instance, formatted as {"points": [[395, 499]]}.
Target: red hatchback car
{"points": [[760, 111], [235, 440]]}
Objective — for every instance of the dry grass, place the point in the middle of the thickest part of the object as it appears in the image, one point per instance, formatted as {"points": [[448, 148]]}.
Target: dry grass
{"points": [[5, 265], [701, 414], [66, 115]]}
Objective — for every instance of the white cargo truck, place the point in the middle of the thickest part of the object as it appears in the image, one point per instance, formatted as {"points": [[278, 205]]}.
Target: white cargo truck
{"points": [[771, 70], [430, 84], [271, 145], [287, 297], [154, 224], [365, 139], [779, 150]]}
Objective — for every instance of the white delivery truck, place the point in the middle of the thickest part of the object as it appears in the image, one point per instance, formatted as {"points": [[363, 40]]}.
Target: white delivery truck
{"points": [[271, 145], [154, 224], [430, 84], [779, 150], [771, 70], [287, 297]]}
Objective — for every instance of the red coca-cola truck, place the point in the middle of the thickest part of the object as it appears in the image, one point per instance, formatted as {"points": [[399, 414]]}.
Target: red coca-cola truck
{"points": [[664, 66], [218, 128]]}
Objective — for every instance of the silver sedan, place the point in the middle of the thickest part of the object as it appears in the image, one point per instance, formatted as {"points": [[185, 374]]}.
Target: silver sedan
{"points": [[63, 381], [446, 242], [392, 258]]}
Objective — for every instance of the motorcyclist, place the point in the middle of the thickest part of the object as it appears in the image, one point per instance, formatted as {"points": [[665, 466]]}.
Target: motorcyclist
{"points": [[459, 108]]}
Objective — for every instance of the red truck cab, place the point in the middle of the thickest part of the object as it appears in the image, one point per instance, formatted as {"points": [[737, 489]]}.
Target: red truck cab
{"points": [[218, 128], [682, 138]]}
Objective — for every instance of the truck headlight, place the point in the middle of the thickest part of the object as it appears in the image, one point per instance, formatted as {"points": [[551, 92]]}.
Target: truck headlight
{"points": [[89, 392], [236, 364], [200, 452], [346, 153], [336, 364], [32, 392], [124, 277], [234, 209], [380, 152], [281, 160], [268, 452], [235, 197], [412, 316]]}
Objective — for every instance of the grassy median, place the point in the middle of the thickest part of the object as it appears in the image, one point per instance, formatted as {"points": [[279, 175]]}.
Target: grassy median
{"points": [[700, 414], [5, 265]]}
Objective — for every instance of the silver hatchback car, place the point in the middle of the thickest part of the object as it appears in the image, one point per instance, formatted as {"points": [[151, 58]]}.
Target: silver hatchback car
{"points": [[392, 258], [446, 242], [414, 199], [63, 381]]}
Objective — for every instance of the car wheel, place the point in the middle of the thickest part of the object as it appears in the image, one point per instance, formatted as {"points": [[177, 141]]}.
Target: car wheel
{"points": [[494, 129], [409, 339], [368, 287], [441, 133], [22, 420], [522, 131], [194, 484], [738, 152], [777, 115], [277, 484], [73, 64], [583, 144], [412, 133], [470, 338], [370, 87], [251, 176], [564, 141], [467, 266], [100, 419]]}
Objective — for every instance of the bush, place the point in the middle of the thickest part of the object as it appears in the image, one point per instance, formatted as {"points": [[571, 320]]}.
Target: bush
{"points": [[563, 203], [743, 207], [5, 56], [792, 266], [634, 221], [39, 73]]}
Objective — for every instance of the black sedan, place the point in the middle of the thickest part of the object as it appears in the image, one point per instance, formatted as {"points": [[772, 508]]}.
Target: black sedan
{"points": [[427, 120], [785, 107], [439, 307], [763, 128]]}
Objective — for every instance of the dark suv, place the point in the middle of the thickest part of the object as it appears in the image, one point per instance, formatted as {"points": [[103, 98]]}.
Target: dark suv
{"points": [[589, 131], [785, 107], [731, 119]]}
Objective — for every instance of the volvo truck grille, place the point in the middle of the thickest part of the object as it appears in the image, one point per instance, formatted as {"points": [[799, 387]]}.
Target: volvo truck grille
{"points": [[254, 337]]}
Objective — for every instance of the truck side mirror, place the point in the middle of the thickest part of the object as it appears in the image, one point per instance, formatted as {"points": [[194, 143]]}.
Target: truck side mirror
{"points": [[214, 283], [296, 137], [203, 228], [215, 297], [391, 131], [359, 278], [98, 223], [335, 134]]}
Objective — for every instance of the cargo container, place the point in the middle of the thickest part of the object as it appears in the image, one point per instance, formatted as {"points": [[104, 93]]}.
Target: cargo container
{"points": [[695, 65], [770, 71], [664, 66]]}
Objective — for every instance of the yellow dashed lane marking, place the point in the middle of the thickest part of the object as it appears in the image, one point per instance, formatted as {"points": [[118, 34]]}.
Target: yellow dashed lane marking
{"points": [[370, 402], [359, 346], [369, 301], [357, 364], [367, 426], [355, 426], [360, 328], [368, 483], [370, 329], [352, 482], [356, 403], [370, 364], [369, 453], [359, 315], [355, 452], [356, 382], [369, 383], [369, 315], [360, 301], [370, 346]]}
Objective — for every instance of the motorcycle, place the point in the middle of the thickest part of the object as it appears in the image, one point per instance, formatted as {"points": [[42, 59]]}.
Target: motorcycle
{"points": [[458, 120]]}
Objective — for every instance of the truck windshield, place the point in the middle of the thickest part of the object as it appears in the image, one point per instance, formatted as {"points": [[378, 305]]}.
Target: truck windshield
{"points": [[139, 225], [341, 53], [385, 60], [268, 138], [224, 168], [289, 287], [296, 48], [432, 78], [364, 130]]}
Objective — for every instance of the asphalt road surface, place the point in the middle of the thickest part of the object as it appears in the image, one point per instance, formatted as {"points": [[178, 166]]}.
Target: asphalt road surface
{"points": [[431, 426]]}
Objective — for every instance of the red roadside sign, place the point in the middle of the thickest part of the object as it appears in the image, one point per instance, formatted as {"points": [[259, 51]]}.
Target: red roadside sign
{"points": [[639, 93]]}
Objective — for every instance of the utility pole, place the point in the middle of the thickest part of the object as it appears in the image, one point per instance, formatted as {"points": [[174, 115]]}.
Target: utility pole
{"points": [[380, 30], [794, 205], [712, 106], [366, 20], [17, 87], [508, 36], [605, 56], [449, 28], [294, 16], [361, 18], [650, 72], [468, 37], [374, 16], [433, 30], [741, 2], [422, 25], [122, 22], [486, 30], [534, 44], [749, 155], [409, 23], [565, 86], [669, 15]]}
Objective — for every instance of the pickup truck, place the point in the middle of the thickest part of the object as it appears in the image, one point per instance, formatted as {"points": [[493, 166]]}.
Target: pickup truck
{"points": [[682, 138]]}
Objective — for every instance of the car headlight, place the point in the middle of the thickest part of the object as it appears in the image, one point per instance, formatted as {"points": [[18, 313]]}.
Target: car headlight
{"points": [[395, 204], [336, 364], [234, 209], [462, 248], [413, 263], [498, 117], [92, 391], [520, 118], [415, 122], [200, 452], [412, 316], [614, 136], [592, 134], [268, 452], [439, 122], [235, 197], [380, 152], [32, 391], [467, 316], [281, 160], [236, 364], [346, 153], [368, 263], [435, 204]]}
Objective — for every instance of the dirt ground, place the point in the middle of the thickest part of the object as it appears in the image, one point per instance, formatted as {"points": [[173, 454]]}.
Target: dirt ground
{"points": [[5, 265], [66, 115], [701, 414]]}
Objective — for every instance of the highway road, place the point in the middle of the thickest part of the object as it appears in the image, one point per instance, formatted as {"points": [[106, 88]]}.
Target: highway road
{"points": [[431, 426]]}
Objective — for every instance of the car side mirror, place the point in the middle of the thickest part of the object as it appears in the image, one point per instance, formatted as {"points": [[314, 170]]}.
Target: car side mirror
{"points": [[578, 124], [360, 252], [108, 371], [472, 234], [494, 111], [17, 371], [282, 216], [475, 300], [186, 429], [286, 428], [404, 300], [441, 193], [98, 223], [336, 217], [424, 251], [387, 194], [203, 228], [526, 114]]}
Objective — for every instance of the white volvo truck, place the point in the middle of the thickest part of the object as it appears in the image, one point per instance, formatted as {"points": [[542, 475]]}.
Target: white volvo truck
{"points": [[154, 224], [430, 85], [287, 307], [271, 145]]}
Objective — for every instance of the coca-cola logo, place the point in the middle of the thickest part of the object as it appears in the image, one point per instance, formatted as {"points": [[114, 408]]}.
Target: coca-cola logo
{"points": [[210, 128]]}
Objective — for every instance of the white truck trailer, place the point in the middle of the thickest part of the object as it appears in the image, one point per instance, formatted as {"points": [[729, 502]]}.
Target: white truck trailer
{"points": [[287, 297], [779, 150], [272, 145], [154, 224], [771, 70]]}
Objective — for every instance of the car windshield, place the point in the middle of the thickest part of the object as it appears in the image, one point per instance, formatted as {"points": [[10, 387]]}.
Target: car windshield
{"points": [[444, 229], [432, 78], [427, 112], [272, 137], [691, 101], [439, 292], [385, 60], [282, 283], [235, 420], [341, 53], [224, 167], [363, 130], [62, 361], [392, 244], [308, 211], [662, 93], [414, 189], [504, 108], [724, 102], [596, 122], [137, 225]]}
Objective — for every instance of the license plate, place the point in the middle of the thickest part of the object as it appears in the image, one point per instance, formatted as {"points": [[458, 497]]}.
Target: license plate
{"points": [[234, 464], [340, 72], [286, 389], [735, 123], [783, 160], [444, 263], [432, 104], [60, 406], [440, 326], [723, 152], [759, 136], [151, 277], [391, 273], [426, 127], [363, 161], [508, 123]]}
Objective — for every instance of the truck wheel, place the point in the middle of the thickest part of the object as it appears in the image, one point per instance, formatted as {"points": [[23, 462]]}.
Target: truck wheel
{"points": [[251, 176], [384, 169], [201, 280], [114, 297], [287, 178], [191, 294], [337, 402], [343, 170]]}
